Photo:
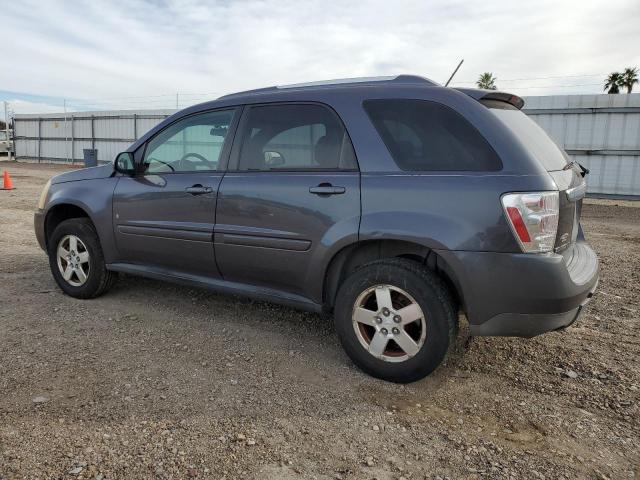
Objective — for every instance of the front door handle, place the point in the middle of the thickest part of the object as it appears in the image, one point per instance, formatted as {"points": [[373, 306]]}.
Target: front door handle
{"points": [[198, 190], [327, 189]]}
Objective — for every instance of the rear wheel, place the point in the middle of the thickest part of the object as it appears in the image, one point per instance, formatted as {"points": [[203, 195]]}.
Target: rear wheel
{"points": [[395, 319], [76, 259]]}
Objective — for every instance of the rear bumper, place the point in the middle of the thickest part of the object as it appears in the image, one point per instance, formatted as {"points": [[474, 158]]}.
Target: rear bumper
{"points": [[523, 295], [38, 224], [529, 324]]}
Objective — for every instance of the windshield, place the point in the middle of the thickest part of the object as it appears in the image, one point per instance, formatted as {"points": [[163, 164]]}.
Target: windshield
{"points": [[546, 151]]}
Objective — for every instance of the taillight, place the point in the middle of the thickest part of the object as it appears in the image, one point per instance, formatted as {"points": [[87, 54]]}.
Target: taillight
{"points": [[533, 217]]}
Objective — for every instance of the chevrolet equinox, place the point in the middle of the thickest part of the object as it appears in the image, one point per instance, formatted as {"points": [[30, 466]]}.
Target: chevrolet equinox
{"points": [[394, 203]]}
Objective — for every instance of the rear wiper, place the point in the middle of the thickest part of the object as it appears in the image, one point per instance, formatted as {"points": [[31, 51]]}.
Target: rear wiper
{"points": [[583, 171]]}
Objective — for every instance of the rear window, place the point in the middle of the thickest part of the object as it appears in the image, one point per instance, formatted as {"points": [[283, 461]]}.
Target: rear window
{"points": [[534, 138], [428, 136]]}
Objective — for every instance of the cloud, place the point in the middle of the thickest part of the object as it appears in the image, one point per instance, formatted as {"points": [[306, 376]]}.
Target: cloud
{"points": [[135, 54]]}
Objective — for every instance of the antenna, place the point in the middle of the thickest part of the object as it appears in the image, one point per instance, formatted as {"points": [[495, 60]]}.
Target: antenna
{"points": [[454, 72]]}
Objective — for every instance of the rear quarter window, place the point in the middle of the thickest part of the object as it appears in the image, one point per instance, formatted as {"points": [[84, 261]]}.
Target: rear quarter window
{"points": [[428, 136], [532, 136]]}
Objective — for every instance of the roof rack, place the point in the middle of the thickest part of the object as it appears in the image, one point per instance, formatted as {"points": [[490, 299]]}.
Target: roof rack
{"points": [[404, 79], [346, 81]]}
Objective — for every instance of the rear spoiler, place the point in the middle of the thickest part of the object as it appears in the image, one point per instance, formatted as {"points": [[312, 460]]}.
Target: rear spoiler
{"points": [[493, 95]]}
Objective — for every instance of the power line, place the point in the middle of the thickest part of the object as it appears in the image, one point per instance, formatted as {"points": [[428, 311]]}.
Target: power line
{"points": [[560, 86], [201, 94], [128, 98], [541, 78], [156, 101], [169, 101], [554, 86]]}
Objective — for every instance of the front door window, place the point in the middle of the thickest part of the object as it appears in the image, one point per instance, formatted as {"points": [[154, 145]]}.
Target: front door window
{"points": [[193, 144]]}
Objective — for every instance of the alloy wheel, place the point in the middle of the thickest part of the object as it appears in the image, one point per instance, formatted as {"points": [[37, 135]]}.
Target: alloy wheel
{"points": [[389, 323], [73, 260]]}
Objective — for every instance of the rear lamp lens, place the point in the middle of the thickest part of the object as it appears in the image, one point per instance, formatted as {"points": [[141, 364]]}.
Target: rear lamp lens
{"points": [[533, 217]]}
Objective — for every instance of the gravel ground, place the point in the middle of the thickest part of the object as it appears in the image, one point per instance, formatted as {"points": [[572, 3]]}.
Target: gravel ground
{"points": [[160, 381]]}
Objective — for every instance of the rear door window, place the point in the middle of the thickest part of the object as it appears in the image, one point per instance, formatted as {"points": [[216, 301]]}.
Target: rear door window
{"points": [[428, 136], [295, 137]]}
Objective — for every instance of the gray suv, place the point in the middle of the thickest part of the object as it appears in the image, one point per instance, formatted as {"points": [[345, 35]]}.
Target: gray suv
{"points": [[394, 203]]}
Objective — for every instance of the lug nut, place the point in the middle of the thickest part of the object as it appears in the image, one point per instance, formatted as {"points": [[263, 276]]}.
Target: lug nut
{"points": [[384, 331], [385, 312], [378, 320], [397, 318], [395, 331]]}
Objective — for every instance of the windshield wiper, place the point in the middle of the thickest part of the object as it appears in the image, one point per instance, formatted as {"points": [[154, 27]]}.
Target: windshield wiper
{"points": [[583, 171]]}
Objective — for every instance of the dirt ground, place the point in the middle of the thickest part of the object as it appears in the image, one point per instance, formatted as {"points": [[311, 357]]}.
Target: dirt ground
{"points": [[154, 380]]}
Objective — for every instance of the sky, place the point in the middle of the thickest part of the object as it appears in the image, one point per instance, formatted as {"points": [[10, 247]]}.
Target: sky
{"points": [[121, 54]]}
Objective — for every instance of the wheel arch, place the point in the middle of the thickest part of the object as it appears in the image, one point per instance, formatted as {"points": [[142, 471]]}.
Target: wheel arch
{"points": [[351, 257], [59, 213]]}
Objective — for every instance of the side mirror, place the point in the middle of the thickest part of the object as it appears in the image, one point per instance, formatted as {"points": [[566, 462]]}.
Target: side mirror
{"points": [[273, 159], [124, 163]]}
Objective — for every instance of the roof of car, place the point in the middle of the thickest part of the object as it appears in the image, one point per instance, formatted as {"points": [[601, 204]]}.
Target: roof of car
{"points": [[361, 82], [282, 92], [330, 90]]}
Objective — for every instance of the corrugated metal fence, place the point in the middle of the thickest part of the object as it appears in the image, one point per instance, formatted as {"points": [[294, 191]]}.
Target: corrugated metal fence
{"points": [[602, 132], [60, 138]]}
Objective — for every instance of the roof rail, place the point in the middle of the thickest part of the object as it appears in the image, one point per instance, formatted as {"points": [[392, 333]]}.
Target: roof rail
{"points": [[347, 81], [405, 79]]}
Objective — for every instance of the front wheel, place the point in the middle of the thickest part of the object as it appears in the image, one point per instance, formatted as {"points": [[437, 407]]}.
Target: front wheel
{"points": [[76, 259], [395, 319]]}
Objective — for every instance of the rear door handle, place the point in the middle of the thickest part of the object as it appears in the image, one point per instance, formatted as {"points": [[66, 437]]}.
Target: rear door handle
{"points": [[198, 190], [327, 189]]}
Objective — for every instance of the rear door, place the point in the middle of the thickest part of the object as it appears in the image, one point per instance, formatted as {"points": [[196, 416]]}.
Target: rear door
{"points": [[164, 215], [292, 192]]}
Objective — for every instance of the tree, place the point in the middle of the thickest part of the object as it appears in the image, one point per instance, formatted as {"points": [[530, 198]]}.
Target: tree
{"points": [[3, 126], [613, 82], [629, 78], [487, 81]]}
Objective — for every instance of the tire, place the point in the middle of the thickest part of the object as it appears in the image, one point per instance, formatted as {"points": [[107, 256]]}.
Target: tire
{"points": [[97, 279], [409, 284]]}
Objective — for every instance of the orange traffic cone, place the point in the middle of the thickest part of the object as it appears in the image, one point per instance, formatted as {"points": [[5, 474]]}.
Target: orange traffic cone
{"points": [[7, 183]]}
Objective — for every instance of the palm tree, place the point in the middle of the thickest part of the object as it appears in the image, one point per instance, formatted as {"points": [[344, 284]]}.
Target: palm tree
{"points": [[629, 78], [613, 82], [487, 81]]}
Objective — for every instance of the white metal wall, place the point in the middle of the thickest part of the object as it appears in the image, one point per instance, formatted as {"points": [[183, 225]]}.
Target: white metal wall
{"points": [[601, 132], [60, 138]]}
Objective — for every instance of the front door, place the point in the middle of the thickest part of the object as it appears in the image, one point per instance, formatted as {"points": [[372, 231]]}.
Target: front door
{"points": [[165, 214], [292, 194]]}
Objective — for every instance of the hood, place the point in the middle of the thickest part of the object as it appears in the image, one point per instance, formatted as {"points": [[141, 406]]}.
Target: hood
{"points": [[103, 171]]}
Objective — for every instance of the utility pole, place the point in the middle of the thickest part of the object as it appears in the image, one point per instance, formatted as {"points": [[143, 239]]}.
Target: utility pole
{"points": [[6, 129], [66, 146], [177, 95]]}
